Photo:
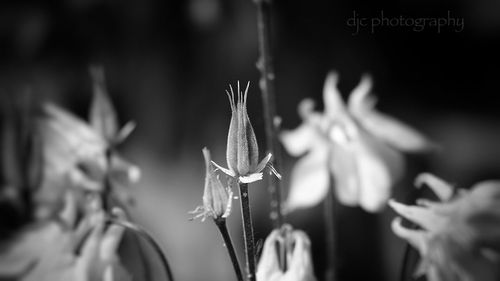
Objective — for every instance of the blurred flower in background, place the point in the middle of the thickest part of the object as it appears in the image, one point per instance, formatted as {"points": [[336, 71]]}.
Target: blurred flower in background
{"points": [[297, 247], [459, 237], [355, 144]]}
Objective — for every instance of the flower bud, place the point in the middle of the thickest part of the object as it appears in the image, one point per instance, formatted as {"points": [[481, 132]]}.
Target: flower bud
{"points": [[216, 199], [242, 150]]}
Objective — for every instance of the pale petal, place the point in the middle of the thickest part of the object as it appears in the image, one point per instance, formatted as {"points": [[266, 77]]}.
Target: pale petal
{"points": [[424, 217], [332, 99], [394, 132], [415, 237], [263, 163], [251, 178], [123, 171], [300, 140], [125, 131], [224, 170], [112, 238], [300, 266], [443, 190], [378, 167], [345, 173], [268, 268], [360, 101], [102, 115], [309, 181]]}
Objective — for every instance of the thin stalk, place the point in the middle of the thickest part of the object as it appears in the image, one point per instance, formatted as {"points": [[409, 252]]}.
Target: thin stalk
{"points": [[107, 188], [144, 234], [265, 66], [221, 224], [330, 234], [247, 231]]}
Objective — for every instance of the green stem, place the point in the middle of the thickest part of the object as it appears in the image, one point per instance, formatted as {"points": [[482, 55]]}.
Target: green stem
{"points": [[221, 224], [247, 231], [265, 66], [144, 234], [330, 234]]}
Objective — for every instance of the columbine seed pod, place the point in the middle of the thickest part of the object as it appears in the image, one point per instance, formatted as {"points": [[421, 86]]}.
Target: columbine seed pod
{"points": [[217, 200], [242, 150]]}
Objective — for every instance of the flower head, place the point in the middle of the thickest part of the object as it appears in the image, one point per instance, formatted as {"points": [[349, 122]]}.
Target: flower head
{"points": [[298, 249], [355, 143], [80, 249], [458, 238], [217, 200], [242, 150], [81, 155]]}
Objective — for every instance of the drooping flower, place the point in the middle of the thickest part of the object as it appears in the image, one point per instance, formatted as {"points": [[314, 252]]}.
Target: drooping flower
{"points": [[459, 237], [80, 250], [242, 150], [355, 144], [78, 154], [298, 258], [217, 200]]}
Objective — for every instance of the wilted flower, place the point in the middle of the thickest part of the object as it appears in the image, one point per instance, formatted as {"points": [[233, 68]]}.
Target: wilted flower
{"points": [[217, 200], [354, 143], [459, 238], [242, 151], [298, 257]]}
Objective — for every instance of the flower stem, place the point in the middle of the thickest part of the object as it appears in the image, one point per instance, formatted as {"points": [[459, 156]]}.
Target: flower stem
{"points": [[330, 234], [247, 231], [265, 66], [144, 234], [221, 224]]}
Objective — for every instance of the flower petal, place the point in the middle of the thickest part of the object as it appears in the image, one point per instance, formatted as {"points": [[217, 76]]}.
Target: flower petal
{"points": [[300, 140], [332, 99], [224, 170], [102, 116], [378, 168], [309, 181], [441, 188], [424, 217], [251, 178], [268, 268], [415, 237], [394, 132]]}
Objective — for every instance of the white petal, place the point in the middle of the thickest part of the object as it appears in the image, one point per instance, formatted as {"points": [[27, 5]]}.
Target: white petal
{"points": [[299, 141], [394, 132], [332, 99], [415, 237], [360, 99], [424, 217], [309, 181], [251, 178], [263, 163], [224, 170], [442, 189], [379, 167], [344, 168], [268, 267]]}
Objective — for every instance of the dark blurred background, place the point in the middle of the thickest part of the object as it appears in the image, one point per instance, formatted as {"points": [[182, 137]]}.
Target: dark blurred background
{"points": [[169, 62]]}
